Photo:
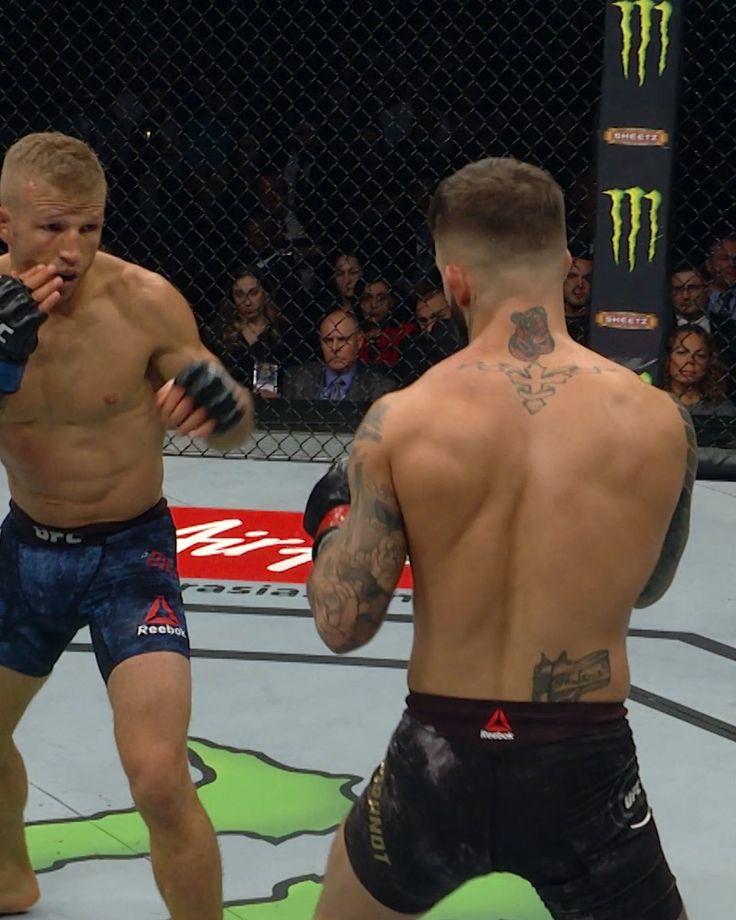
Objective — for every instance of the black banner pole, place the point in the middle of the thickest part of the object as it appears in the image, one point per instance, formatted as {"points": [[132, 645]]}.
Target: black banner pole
{"points": [[631, 307]]}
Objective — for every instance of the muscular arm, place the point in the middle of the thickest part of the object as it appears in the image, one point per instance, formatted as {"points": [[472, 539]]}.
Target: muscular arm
{"points": [[677, 534], [180, 345], [359, 565]]}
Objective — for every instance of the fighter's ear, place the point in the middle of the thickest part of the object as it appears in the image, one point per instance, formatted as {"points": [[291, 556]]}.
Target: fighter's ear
{"points": [[568, 261], [458, 285], [4, 224]]}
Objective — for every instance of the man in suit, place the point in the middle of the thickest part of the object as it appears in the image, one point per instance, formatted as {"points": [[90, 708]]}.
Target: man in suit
{"points": [[339, 375]]}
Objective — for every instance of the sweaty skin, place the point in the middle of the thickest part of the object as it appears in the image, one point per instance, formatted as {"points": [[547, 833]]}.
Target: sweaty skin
{"points": [[81, 440], [533, 484]]}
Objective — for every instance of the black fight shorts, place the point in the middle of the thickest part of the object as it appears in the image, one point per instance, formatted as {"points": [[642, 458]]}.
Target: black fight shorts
{"points": [[550, 792]]}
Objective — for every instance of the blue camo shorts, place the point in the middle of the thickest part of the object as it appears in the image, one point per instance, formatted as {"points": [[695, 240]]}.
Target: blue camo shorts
{"points": [[119, 578]]}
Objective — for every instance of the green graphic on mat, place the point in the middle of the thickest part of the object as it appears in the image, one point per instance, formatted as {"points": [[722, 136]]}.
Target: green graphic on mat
{"points": [[243, 792], [248, 794]]}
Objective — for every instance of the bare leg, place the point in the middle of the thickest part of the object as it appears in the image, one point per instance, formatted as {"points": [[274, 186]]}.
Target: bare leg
{"points": [[343, 897], [18, 886], [151, 695]]}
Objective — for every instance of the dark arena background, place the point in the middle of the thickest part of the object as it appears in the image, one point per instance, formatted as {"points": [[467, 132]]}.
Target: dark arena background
{"points": [[271, 138], [274, 161]]}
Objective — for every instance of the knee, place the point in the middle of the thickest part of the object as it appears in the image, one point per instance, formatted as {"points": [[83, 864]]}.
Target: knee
{"points": [[161, 788], [10, 759]]}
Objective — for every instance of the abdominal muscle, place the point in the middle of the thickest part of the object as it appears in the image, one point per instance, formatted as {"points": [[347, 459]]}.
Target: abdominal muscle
{"points": [[68, 475]]}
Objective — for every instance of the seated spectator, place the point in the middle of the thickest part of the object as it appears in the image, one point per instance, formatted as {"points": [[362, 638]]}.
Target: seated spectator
{"points": [[720, 269], [690, 298], [694, 374], [437, 338], [340, 374], [250, 343], [348, 271], [577, 290], [692, 302], [382, 330]]}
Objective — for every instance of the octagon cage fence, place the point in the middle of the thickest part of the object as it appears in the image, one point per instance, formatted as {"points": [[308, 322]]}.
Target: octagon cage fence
{"points": [[274, 161]]}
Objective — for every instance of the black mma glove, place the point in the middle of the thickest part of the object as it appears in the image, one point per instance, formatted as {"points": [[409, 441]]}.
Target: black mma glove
{"points": [[211, 388], [20, 319], [328, 504]]}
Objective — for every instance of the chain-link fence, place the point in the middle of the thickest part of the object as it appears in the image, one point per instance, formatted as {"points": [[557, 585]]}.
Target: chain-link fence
{"points": [[274, 161], [701, 369]]}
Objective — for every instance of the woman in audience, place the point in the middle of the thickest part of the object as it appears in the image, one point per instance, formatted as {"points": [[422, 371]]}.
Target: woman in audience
{"points": [[696, 378], [250, 342], [348, 270]]}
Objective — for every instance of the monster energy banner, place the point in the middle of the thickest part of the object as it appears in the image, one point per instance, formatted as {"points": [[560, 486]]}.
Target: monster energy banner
{"points": [[631, 310]]}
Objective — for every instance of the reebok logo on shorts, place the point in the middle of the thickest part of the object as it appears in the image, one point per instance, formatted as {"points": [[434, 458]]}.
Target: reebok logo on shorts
{"points": [[161, 620], [497, 728]]}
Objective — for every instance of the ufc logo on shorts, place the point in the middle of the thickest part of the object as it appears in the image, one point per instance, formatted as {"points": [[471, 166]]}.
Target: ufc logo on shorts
{"points": [[5, 332], [55, 536]]}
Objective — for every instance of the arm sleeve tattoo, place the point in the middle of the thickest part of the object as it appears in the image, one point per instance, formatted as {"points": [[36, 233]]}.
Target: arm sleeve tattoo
{"points": [[356, 572], [677, 534]]}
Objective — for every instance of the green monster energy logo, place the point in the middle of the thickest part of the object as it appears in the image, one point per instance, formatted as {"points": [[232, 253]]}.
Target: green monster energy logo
{"points": [[646, 17], [636, 198]]}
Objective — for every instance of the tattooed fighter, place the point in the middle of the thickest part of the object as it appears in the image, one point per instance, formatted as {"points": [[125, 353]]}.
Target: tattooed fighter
{"points": [[541, 492]]}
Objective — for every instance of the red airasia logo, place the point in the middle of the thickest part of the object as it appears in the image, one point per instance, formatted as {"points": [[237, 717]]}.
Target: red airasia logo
{"points": [[243, 545]]}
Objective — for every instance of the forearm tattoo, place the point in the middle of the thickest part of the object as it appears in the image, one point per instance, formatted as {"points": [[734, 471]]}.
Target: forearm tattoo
{"points": [[679, 529], [565, 681], [355, 574], [535, 384]]}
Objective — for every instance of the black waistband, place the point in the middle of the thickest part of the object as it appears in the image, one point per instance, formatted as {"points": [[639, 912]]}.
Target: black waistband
{"points": [[499, 722], [87, 535]]}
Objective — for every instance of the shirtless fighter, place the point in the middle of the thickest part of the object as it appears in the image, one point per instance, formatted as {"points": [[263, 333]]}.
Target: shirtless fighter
{"points": [[97, 358], [541, 492]]}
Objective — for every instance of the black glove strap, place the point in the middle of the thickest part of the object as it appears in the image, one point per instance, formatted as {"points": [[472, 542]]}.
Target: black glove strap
{"points": [[20, 319], [211, 388]]}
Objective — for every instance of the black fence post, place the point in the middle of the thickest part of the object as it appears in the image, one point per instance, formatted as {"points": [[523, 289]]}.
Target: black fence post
{"points": [[631, 307]]}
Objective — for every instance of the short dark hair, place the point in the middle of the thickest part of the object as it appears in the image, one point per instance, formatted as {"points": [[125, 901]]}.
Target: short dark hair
{"points": [[515, 207], [688, 269], [370, 277], [720, 237], [423, 290]]}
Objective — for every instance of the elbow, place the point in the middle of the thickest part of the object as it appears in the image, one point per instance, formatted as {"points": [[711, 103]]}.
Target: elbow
{"points": [[342, 640], [339, 645]]}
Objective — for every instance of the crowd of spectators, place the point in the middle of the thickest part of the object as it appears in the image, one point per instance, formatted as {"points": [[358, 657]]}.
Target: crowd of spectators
{"points": [[700, 365], [361, 335], [328, 290], [360, 339]]}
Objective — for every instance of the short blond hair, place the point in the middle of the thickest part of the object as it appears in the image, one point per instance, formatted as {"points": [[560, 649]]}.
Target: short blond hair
{"points": [[64, 162]]}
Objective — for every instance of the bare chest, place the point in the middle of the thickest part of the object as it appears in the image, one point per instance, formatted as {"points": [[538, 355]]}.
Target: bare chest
{"points": [[83, 372]]}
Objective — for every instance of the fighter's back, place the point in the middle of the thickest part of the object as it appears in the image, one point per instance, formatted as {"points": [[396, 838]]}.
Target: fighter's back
{"points": [[536, 497], [541, 491]]}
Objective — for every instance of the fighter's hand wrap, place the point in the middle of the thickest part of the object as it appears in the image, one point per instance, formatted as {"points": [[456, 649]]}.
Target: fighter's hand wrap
{"points": [[20, 319], [211, 388], [328, 504]]}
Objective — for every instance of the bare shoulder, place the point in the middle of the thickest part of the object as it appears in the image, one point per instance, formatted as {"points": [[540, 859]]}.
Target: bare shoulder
{"points": [[139, 285], [150, 299], [382, 422], [5, 264]]}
